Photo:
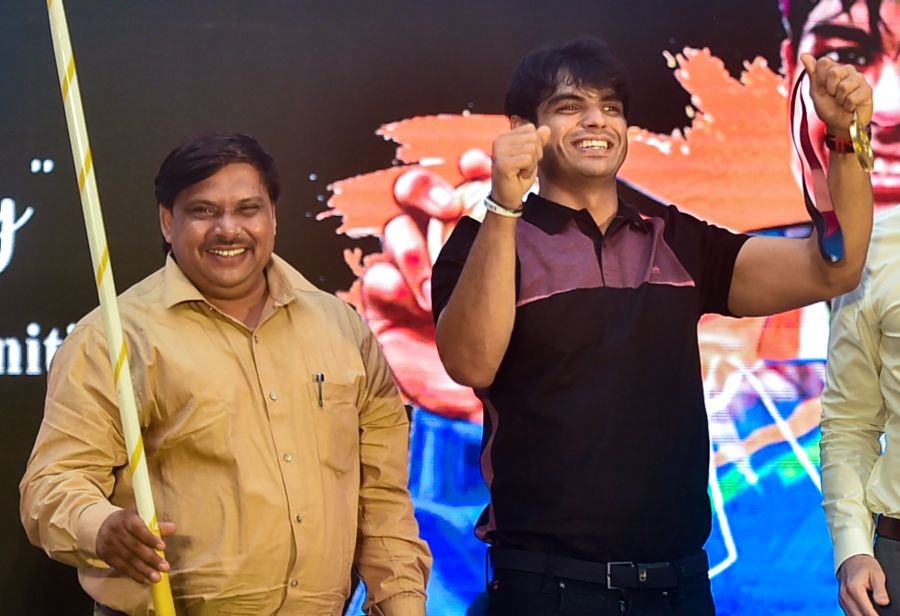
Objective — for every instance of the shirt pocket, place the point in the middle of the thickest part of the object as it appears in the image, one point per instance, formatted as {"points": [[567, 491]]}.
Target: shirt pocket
{"points": [[336, 424]]}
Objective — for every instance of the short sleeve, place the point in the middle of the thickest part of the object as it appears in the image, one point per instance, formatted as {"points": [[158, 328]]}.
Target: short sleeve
{"points": [[450, 262], [709, 253]]}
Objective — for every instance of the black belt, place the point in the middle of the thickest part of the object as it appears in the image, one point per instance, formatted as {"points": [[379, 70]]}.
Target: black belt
{"points": [[613, 575], [888, 527]]}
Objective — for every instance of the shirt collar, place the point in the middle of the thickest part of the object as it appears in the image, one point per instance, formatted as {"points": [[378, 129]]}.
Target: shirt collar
{"points": [[551, 217], [177, 288]]}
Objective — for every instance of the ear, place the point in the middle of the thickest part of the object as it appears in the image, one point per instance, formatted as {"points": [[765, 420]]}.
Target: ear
{"points": [[165, 222], [517, 121], [274, 219]]}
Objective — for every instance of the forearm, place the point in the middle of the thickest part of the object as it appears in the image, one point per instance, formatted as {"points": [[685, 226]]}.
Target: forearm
{"points": [[70, 475], [391, 558], [62, 508], [851, 194], [474, 329], [842, 97], [853, 420], [849, 451]]}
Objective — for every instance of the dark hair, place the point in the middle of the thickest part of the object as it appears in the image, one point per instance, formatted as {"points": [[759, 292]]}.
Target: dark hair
{"points": [[202, 156], [583, 62], [795, 14]]}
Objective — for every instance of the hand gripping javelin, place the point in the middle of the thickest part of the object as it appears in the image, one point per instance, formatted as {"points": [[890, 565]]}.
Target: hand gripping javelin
{"points": [[93, 220]]}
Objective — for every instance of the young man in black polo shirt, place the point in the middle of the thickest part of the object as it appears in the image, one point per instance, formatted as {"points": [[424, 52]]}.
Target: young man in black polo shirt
{"points": [[574, 317]]}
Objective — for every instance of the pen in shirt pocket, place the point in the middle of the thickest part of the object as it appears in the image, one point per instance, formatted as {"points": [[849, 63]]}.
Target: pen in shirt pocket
{"points": [[320, 378]]}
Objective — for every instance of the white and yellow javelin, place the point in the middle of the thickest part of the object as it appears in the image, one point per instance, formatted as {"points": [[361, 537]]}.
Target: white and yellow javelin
{"points": [[106, 289]]}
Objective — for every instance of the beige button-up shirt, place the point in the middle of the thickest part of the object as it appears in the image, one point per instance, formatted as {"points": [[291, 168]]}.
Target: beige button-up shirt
{"points": [[862, 400], [275, 478]]}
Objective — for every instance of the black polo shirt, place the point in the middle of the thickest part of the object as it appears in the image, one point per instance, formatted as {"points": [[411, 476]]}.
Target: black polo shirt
{"points": [[595, 441]]}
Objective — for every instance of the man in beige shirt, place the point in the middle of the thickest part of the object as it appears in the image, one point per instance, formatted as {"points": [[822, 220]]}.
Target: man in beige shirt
{"points": [[861, 405], [861, 401], [276, 440]]}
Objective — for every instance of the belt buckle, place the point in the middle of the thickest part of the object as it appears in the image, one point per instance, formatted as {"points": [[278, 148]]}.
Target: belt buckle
{"points": [[609, 572]]}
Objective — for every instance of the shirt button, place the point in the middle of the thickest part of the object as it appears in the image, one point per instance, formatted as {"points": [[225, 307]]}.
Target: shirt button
{"points": [[255, 338], [273, 395], [294, 583], [288, 457], [299, 518]]}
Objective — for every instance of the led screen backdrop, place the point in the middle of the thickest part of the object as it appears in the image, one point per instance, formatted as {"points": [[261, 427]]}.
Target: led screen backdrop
{"points": [[381, 119]]}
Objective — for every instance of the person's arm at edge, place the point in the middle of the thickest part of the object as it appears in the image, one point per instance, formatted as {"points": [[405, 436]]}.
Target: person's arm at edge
{"points": [[778, 274], [391, 558], [853, 420], [64, 490]]}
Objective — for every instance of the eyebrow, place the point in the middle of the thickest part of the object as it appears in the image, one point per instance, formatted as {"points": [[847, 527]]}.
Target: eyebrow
{"points": [[196, 202], [849, 33], [559, 98], [605, 97], [245, 201], [252, 201]]}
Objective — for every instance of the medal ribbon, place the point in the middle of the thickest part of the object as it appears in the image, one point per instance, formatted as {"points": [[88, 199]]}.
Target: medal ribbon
{"points": [[818, 201]]}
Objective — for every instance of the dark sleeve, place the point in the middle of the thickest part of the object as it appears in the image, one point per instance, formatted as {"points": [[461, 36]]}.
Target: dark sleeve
{"points": [[449, 264], [709, 252]]}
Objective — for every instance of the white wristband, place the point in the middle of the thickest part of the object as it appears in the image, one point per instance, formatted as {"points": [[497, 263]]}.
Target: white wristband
{"points": [[492, 206]]}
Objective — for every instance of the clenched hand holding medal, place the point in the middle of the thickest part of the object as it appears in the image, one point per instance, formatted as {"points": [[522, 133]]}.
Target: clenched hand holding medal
{"points": [[843, 101]]}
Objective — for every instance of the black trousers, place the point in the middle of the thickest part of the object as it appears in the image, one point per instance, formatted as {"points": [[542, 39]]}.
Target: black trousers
{"points": [[518, 593], [887, 552]]}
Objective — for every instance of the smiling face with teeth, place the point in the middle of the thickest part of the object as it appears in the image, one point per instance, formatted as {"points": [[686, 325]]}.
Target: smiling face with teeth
{"points": [[588, 137], [222, 232]]}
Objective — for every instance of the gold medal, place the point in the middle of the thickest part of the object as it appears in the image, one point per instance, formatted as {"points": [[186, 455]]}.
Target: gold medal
{"points": [[862, 144]]}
